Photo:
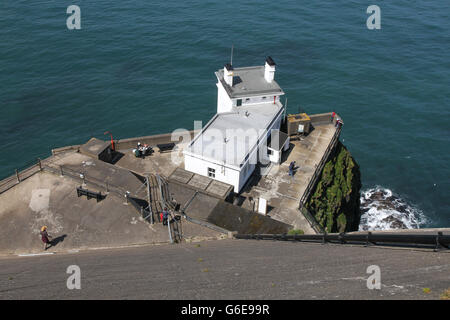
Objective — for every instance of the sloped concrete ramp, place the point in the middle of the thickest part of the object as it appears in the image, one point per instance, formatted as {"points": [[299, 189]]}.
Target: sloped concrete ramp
{"points": [[234, 218], [201, 183]]}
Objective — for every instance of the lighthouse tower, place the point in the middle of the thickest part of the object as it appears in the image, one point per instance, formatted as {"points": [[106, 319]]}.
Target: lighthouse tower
{"points": [[248, 110], [240, 87]]}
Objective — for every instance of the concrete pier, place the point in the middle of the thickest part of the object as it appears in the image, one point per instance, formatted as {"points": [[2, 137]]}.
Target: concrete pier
{"points": [[48, 198], [284, 192], [45, 194]]}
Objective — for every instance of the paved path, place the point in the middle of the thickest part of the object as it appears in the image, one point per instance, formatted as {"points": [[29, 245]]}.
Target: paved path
{"points": [[283, 192], [51, 200], [229, 269]]}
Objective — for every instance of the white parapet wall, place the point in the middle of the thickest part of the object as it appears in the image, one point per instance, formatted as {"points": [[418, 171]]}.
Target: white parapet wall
{"points": [[213, 170]]}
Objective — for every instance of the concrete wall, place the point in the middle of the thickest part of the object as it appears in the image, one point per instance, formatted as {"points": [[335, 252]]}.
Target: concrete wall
{"points": [[323, 117], [67, 148], [223, 174], [275, 157], [257, 100], [246, 172], [234, 218], [150, 140], [224, 103]]}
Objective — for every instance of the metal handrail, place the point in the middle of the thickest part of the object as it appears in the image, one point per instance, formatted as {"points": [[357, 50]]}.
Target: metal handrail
{"points": [[439, 240], [20, 175], [312, 221], [312, 182], [319, 167], [86, 179]]}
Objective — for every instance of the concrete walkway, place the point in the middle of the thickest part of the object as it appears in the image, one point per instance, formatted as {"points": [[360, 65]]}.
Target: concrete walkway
{"points": [[230, 269], [50, 199], [283, 192], [158, 163], [78, 223]]}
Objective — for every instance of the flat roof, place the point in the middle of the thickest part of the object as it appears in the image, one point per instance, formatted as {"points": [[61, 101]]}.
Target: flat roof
{"points": [[249, 81], [242, 126]]}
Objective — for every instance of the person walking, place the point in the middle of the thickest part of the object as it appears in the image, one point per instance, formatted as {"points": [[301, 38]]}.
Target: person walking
{"points": [[291, 168], [45, 238]]}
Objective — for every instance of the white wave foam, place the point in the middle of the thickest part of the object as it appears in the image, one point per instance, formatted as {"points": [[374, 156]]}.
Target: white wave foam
{"points": [[382, 210]]}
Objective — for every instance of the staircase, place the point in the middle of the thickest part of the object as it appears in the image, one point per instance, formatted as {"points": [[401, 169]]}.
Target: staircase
{"points": [[158, 195]]}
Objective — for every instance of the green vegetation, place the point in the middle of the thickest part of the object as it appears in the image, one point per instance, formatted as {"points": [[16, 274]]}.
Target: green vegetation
{"points": [[295, 231], [445, 295], [336, 199]]}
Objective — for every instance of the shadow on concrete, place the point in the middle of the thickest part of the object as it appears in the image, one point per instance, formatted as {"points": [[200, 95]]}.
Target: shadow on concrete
{"points": [[116, 156], [57, 240], [239, 200], [139, 177], [140, 202], [253, 181], [285, 154]]}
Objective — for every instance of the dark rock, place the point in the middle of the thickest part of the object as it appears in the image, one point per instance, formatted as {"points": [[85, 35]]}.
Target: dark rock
{"points": [[395, 223]]}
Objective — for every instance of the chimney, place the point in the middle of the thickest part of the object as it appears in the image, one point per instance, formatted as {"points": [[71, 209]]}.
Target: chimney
{"points": [[269, 70], [228, 74]]}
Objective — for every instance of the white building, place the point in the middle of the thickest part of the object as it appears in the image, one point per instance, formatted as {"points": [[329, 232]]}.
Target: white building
{"points": [[230, 145]]}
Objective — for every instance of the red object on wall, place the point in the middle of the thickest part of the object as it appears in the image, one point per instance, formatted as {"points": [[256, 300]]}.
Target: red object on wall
{"points": [[112, 140], [274, 97]]}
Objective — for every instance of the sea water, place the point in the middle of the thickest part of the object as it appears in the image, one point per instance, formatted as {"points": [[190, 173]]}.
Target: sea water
{"points": [[141, 67]]}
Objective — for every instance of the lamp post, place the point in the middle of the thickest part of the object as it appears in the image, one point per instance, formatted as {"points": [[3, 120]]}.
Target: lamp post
{"points": [[112, 141]]}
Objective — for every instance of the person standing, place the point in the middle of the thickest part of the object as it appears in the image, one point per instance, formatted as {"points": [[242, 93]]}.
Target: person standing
{"points": [[45, 238], [337, 122], [165, 216]]}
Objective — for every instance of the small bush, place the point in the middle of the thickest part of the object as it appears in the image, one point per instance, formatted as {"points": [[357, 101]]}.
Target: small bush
{"points": [[295, 231]]}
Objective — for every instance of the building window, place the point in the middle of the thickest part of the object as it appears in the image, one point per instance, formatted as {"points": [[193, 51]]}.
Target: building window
{"points": [[239, 102], [211, 172]]}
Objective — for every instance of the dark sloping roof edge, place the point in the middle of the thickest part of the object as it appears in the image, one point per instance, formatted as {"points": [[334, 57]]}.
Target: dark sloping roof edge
{"points": [[270, 61]]}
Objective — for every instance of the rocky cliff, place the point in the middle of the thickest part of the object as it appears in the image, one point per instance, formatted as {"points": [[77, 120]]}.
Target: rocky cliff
{"points": [[335, 202]]}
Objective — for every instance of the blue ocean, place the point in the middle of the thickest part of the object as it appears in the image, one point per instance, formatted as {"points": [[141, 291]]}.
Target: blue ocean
{"points": [[140, 67]]}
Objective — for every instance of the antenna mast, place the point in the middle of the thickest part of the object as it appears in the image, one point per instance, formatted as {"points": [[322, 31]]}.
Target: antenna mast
{"points": [[231, 60]]}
